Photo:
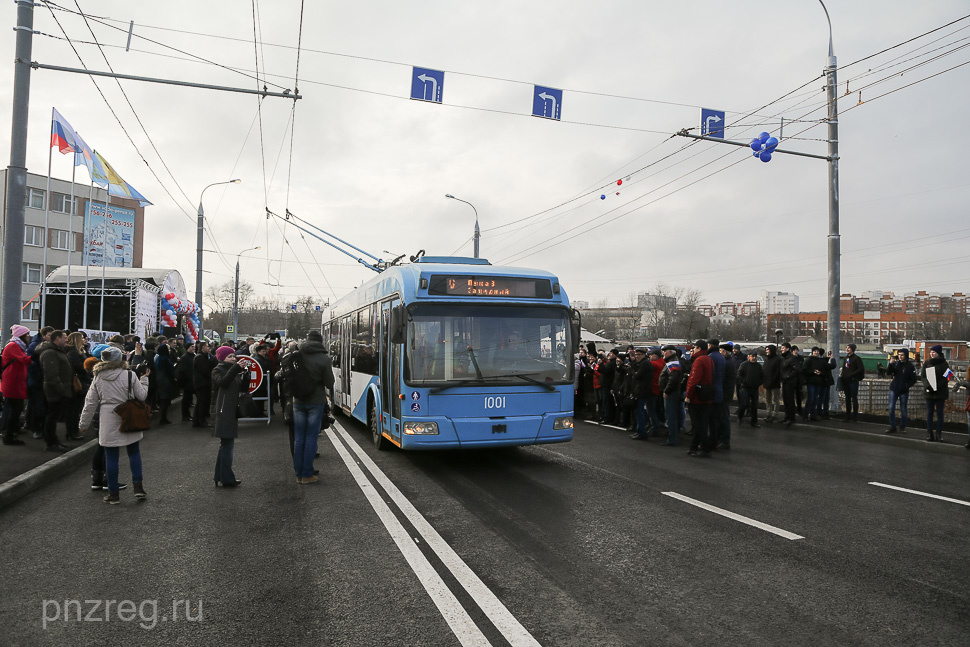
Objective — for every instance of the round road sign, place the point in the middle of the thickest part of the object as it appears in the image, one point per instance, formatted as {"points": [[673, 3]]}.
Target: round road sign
{"points": [[255, 372]]}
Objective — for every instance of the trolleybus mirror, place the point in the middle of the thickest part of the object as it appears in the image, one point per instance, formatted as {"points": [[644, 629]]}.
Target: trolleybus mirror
{"points": [[576, 325], [398, 324]]}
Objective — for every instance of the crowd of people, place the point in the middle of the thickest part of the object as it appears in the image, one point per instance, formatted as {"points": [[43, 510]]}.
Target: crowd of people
{"points": [[59, 377], [653, 392]]}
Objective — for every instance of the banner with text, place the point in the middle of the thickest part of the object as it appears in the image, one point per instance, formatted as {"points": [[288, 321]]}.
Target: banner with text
{"points": [[110, 244]]}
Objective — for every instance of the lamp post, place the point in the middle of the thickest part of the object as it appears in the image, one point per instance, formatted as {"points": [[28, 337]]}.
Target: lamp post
{"points": [[235, 298], [834, 239], [198, 248], [478, 234]]}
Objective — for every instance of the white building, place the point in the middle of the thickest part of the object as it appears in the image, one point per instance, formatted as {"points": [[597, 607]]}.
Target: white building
{"points": [[778, 303]]}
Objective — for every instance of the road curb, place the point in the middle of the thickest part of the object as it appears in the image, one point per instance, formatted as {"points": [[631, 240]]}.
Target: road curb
{"points": [[20, 486], [913, 441]]}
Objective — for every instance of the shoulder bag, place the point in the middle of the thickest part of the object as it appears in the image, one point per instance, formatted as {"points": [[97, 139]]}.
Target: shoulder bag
{"points": [[135, 414]]}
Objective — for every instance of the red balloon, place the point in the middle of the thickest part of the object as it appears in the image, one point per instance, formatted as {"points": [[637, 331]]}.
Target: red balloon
{"points": [[619, 182]]}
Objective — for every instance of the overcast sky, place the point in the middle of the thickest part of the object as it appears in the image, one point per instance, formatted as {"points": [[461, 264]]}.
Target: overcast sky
{"points": [[372, 166]]}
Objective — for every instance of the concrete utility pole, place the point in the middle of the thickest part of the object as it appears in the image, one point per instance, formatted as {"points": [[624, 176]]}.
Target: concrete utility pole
{"points": [[834, 240], [13, 230]]}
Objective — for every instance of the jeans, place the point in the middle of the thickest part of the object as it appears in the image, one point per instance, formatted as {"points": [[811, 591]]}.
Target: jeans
{"points": [[674, 412], [652, 414], [224, 473], [749, 402], [111, 455], [10, 420], [935, 406], [814, 404], [641, 413], [824, 399], [903, 402], [307, 419], [851, 399]]}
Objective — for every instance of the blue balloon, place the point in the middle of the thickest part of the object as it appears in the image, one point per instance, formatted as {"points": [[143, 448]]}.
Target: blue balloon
{"points": [[603, 197], [756, 145], [764, 137], [765, 156], [771, 144]]}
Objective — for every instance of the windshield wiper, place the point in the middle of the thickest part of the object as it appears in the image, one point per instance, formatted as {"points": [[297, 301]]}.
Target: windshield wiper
{"points": [[471, 354], [545, 385], [439, 389]]}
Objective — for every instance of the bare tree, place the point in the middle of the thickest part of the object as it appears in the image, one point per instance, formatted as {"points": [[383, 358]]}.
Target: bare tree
{"points": [[661, 309]]}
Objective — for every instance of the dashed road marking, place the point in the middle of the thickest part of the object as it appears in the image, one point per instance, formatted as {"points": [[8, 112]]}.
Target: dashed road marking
{"points": [[932, 496], [735, 516]]}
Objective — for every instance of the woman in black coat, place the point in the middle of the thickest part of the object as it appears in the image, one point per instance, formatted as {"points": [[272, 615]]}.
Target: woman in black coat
{"points": [[227, 380], [76, 354], [165, 387]]}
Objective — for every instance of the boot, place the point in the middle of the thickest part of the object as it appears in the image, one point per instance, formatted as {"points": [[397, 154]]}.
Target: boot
{"points": [[98, 481], [112, 498], [930, 437], [939, 436], [139, 491]]}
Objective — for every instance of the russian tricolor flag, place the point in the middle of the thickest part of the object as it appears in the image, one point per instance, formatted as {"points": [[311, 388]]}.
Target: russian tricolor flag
{"points": [[62, 135], [948, 374]]}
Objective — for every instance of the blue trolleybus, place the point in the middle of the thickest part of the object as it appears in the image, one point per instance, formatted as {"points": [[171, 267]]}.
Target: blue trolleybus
{"points": [[456, 353]]}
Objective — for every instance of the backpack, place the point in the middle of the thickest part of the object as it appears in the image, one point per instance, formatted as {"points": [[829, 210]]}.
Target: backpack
{"points": [[294, 375]]}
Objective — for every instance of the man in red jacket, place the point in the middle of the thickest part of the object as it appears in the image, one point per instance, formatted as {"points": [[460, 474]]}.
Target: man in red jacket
{"points": [[700, 395], [13, 383]]}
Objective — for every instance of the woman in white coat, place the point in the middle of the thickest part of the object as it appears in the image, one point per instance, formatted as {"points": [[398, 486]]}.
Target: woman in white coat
{"points": [[112, 383]]}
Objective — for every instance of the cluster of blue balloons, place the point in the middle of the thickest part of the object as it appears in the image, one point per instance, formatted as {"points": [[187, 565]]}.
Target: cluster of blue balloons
{"points": [[764, 146]]}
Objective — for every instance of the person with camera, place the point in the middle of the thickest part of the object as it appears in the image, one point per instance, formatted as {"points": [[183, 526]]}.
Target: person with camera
{"points": [[227, 379], [903, 375], [112, 385]]}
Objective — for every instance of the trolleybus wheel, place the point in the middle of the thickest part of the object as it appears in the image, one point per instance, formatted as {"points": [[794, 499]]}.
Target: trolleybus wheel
{"points": [[374, 422]]}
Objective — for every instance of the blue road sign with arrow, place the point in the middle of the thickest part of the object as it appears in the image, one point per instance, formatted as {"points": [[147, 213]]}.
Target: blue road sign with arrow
{"points": [[427, 85], [546, 102], [712, 123]]}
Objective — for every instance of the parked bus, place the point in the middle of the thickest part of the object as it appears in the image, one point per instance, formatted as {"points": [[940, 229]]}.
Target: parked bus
{"points": [[455, 353]]}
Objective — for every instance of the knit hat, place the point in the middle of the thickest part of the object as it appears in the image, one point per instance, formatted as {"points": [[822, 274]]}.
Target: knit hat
{"points": [[19, 331], [851, 346], [938, 349], [96, 351], [90, 362], [110, 354], [314, 335], [223, 352]]}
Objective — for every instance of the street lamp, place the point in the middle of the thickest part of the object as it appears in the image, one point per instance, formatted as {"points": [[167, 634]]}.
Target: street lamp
{"points": [[198, 248], [834, 239], [478, 234], [235, 298]]}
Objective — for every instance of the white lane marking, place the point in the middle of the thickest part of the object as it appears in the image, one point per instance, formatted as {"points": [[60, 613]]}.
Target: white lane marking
{"points": [[932, 496], [736, 517], [497, 612], [451, 610]]}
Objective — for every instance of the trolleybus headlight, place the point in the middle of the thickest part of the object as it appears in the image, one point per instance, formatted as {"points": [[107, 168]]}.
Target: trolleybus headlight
{"points": [[424, 428], [563, 423]]}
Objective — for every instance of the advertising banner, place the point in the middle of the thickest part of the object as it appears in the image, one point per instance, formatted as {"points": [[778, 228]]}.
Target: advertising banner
{"points": [[111, 245]]}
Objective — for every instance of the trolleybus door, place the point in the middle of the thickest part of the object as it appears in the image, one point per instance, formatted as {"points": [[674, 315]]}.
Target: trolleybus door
{"points": [[345, 361], [390, 377]]}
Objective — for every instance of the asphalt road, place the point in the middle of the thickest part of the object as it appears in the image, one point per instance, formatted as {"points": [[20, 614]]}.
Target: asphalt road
{"points": [[595, 542]]}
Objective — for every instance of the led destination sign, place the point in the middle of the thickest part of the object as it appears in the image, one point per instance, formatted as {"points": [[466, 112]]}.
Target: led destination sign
{"points": [[490, 286]]}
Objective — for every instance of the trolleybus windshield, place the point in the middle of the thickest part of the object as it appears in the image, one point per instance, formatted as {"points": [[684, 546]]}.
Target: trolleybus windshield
{"points": [[488, 344]]}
